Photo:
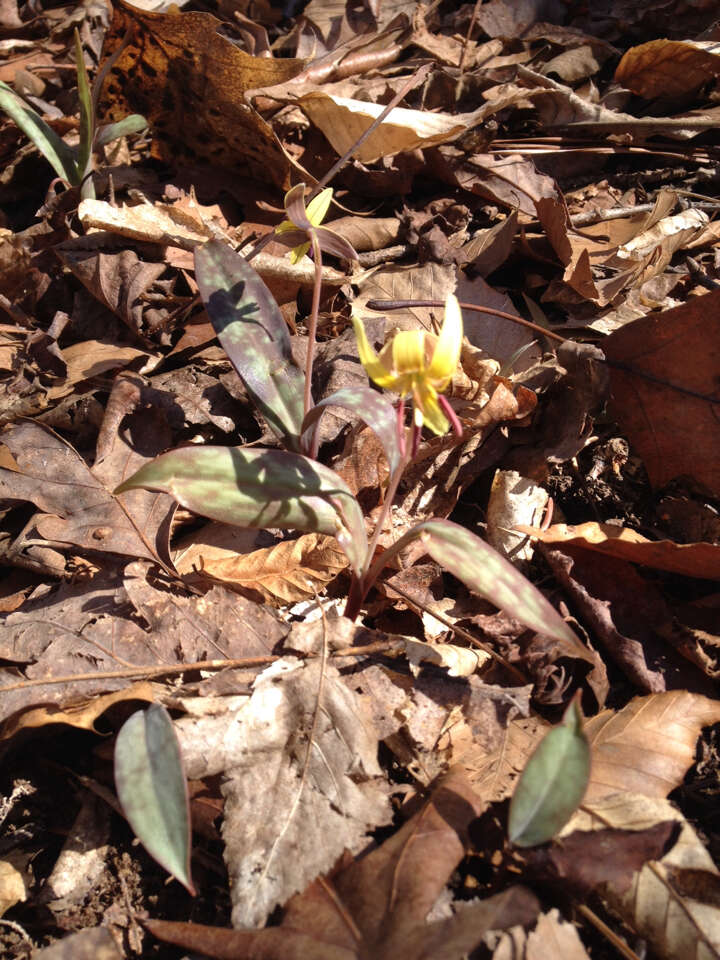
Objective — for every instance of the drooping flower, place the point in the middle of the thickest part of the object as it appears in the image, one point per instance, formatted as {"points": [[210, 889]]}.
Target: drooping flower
{"points": [[417, 364], [303, 221]]}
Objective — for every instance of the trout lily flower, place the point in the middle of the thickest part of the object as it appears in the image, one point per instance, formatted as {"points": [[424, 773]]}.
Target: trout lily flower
{"points": [[418, 364], [304, 221]]}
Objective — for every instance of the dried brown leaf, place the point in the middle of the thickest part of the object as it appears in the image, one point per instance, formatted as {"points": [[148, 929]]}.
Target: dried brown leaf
{"points": [[292, 570]]}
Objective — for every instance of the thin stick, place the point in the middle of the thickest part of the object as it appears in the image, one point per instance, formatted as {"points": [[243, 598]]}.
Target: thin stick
{"points": [[609, 934], [380, 646]]}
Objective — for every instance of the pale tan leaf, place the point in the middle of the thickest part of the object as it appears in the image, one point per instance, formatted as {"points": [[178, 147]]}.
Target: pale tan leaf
{"points": [[665, 904], [647, 747], [458, 661], [554, 937], [290, 571]]}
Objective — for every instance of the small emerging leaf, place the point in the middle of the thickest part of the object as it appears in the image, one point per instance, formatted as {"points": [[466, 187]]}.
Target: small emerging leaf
{"points": [[259, 488], [133, 123], [254, 335], [152, 789], [553, 783], [372, 407]]}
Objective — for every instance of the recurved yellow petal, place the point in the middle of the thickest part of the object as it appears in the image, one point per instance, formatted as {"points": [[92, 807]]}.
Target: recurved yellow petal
{"points": [[297, 253], [446, 357], [370, 360], [318, 207]]}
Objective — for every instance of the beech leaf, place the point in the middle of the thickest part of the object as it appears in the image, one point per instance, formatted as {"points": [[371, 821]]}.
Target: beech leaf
{"points": [[152, 790]]}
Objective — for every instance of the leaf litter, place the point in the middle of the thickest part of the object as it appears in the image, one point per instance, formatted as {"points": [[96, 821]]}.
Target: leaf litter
{"points": [[349, 781]]}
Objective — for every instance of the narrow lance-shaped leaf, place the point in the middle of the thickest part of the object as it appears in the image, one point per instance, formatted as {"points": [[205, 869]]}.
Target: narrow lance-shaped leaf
{"points": [[87, 122], [254, 335], [375, 409], [553, 783], [59, 155], [152, 789], [485, 572], [259, 488]]}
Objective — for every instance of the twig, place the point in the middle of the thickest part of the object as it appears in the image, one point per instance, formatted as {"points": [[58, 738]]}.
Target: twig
{"points": [[380, 646], [609, 934]]}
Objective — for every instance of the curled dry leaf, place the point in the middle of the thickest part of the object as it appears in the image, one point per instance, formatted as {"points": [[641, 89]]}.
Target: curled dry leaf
{"points": [[292, 570], [688, 559]]}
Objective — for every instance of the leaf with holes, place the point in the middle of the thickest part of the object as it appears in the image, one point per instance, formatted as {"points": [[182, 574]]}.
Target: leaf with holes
{"points": [[254, 335], [259, 488], [152, 789]]}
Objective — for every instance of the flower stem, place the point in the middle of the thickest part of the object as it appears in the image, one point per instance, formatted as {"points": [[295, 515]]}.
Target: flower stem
{"points": [[312, 322]]}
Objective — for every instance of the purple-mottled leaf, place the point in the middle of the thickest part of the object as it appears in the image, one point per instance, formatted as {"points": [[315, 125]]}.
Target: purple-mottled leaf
{"points": [[553, 783], [486, 573], [152, 789], [254, 335], [260, 488], [373, 408]]}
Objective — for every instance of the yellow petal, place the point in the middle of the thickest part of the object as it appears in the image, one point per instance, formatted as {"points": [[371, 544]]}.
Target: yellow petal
{"points": [[408, 352], [318, 207], [285, 226], [425, 399], [449, 344], [370, 360], [297, 253]]}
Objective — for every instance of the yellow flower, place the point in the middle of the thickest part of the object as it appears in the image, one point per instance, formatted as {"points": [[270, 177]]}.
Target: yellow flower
{"points": [[302, 221], [418, 364]]}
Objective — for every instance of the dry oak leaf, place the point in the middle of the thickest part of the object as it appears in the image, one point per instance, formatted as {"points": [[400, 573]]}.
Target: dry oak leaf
{"points": [[669, 68], [647, 747], [376, 907], [671, 416], [689, 559], [189, 83], [290, 571]]}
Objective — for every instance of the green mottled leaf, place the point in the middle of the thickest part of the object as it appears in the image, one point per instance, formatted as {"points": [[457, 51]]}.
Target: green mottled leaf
{"points": [[372, 407], [152, 789], [259, 488], [59, 155], [133, 123], [254, 335], [553, 783], [485, 572]]}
